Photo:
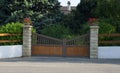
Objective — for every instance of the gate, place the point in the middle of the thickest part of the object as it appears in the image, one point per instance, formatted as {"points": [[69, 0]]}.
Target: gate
{"points": [[47, 46]]}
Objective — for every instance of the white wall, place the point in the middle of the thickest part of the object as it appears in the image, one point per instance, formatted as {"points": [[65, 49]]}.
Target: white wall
{"points": [[109, 52], [10, 51]]}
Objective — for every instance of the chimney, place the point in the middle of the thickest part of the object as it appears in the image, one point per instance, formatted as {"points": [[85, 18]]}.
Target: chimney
{"points": [[69, 6]]}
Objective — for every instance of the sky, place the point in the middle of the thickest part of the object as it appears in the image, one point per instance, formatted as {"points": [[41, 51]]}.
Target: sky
{"points": [[73, 2]]}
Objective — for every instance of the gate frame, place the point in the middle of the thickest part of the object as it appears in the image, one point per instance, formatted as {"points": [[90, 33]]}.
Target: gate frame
{"points": [[80, 44]]}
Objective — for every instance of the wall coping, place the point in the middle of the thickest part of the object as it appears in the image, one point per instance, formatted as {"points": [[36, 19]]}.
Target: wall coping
{"points": [[27, 26], [94, 27]]}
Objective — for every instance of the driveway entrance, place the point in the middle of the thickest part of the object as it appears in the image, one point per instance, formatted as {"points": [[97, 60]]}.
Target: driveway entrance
{"points": [[47, 46]]}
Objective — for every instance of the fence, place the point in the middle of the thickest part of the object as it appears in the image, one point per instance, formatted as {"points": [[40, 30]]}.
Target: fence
{"points": [[109, 39], [10, 38], [109, 46], [9, 47], [90, 43]]}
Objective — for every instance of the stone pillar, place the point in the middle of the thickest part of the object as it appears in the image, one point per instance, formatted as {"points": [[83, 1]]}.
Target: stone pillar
{"points": [[94, 41], [26, 51]]}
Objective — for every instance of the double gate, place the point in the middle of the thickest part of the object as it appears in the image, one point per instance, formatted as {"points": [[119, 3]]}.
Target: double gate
{"points": [[47, 46]]}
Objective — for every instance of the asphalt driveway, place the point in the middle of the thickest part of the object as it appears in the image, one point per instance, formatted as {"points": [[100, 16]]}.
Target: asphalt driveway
{"points": [[59, 65]]}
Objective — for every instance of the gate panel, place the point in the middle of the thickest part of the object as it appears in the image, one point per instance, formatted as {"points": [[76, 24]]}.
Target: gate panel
{"points": [[78, 47], [77, 51], [46, 46], [47, 50]]}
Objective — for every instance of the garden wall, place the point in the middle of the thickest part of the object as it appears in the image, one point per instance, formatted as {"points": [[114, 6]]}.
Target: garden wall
{"points": [[109, 52], [10, 51]]}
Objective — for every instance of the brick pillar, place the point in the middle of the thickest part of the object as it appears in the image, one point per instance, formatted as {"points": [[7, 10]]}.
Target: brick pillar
{"points": [[94, 41], [26, 51]]}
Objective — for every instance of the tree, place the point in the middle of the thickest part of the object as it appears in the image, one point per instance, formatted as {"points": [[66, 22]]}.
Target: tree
{"points": [[57, 31], [16, 10], [76, 19], [69, 21], [107, 10], [84, 10], [98, 8]]}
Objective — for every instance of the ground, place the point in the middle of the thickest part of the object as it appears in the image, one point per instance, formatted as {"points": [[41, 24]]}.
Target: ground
{"points": [[59, 65]]}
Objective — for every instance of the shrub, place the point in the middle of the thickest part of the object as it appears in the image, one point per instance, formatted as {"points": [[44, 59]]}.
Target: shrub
{"points": [[12, 28], [106, 27], [57, 31], [85, 29]]}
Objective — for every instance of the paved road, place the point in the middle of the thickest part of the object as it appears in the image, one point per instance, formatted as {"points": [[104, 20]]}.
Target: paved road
{"points": [[58, 65]]}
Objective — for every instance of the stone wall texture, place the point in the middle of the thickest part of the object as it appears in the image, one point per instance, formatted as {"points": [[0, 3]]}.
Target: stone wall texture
{"points": [[94, 41], [26, 51]]}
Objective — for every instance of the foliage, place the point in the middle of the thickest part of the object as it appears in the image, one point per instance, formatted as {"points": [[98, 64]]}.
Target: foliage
{"points": [[38, 10], [57, 31], [48, 20], [107, 10], [84, 10], [76, 19], [85, 29], [113, 22], [98, 8], [70, 22], [13, 28], [106, 27]]}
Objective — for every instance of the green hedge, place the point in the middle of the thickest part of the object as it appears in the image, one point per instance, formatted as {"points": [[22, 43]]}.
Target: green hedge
{"points": [[56, 31], [12, 28]]}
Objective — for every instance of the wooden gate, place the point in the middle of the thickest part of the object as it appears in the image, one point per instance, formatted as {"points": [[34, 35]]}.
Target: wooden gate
{"points": [[47, 46]]}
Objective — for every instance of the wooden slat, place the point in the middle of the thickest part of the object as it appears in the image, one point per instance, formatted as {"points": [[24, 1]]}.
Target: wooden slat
{"points": [[7, 34], [109, 42], [116, 35], [7, 41]]}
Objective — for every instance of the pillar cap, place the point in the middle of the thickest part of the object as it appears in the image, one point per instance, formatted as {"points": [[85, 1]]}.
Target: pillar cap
{"points": [[94, 27], [27, 26]]}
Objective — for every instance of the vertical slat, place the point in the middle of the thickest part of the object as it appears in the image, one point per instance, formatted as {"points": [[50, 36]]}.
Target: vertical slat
{"points": [[64, 47]]}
